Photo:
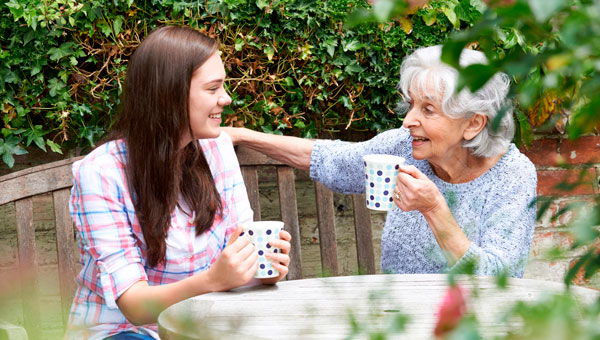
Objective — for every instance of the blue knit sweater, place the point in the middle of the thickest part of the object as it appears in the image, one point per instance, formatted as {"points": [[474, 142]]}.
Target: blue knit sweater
{"points": [[496, 211]]}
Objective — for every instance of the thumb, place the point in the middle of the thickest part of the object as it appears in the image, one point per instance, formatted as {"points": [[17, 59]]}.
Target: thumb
{"points": [[236, 234]]}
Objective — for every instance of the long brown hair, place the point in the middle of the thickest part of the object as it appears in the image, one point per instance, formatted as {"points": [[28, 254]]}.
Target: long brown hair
{"points": [[154, 116]]}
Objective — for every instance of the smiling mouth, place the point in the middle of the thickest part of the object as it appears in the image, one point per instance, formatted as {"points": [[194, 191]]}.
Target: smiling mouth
{"points": [[214, 116], [420, 139]]}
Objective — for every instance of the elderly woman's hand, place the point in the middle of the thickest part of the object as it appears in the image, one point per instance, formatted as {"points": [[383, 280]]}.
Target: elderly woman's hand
{"points": [[415, 191]]}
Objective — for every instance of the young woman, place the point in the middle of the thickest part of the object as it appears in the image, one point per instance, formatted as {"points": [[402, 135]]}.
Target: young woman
{"points": [[158, 207]]}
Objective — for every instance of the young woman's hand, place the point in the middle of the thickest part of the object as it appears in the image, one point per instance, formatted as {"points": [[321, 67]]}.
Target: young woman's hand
{"points": [[236, 265], [281, 260]]}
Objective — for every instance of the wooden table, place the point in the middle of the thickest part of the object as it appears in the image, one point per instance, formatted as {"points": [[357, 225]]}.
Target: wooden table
{"points": [[321, 308]]}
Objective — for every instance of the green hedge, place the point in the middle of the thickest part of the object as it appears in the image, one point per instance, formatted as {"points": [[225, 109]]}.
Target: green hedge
{"points": [[294, 66]]}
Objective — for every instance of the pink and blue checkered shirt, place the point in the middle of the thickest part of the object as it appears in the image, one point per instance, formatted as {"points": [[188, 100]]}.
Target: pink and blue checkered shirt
{"points": [[111, 243]]}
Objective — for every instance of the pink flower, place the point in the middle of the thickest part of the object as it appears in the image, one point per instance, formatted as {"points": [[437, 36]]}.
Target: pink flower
{"points": [[450, 311]]}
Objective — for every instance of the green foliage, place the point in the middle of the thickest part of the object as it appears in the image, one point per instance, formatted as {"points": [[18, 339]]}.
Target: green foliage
{"points": [[292, 65], [552, 51]]}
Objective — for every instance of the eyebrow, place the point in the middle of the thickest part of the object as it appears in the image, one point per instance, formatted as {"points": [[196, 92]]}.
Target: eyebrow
{"points": [[425, 97], [214, 81]]}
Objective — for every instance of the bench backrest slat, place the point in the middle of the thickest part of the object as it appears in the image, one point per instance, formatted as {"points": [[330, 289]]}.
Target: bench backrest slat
{"points": [[250, 175], [364, 235], [326, 218], [65, 250], [37, 180], [289, 216], [30, 290]]}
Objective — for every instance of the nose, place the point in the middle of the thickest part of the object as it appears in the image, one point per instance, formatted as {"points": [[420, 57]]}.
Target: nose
{"points": [[224, 100], [410, 120]]}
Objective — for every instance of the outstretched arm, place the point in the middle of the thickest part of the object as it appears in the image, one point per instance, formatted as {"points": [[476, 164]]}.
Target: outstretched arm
{"points": [[292, 151]]}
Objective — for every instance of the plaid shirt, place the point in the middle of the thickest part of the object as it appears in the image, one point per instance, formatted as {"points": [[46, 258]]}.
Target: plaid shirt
{"points": [[111, 243]]}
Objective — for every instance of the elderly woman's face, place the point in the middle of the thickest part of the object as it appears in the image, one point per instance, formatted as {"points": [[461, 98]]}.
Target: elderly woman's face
{"points": [[436, 137]]}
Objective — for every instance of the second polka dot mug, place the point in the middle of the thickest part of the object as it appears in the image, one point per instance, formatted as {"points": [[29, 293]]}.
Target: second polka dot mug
{"points": [[380, 180], [260, 233]]}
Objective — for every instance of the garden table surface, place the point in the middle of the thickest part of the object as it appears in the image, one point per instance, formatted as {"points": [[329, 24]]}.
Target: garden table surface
{"points": [[320, 308]]}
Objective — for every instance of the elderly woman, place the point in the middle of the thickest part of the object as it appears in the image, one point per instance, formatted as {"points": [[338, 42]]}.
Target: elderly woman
{"points": [[466, 195]]}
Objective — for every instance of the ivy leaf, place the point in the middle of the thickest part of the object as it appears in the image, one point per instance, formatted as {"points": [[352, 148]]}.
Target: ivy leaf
{"points": [[330, 44], [105, 28], [10, 147], [406, 24], [451, 15], [55, 85], [346, 102], [352, 45], [354, 68], [299, 124], [28, 37], [239, 43], [117, 25], [54, 147], [430, 18], [269, 51], [261, 4], [462, 11], [37, 68], [36, 135], [289, 81], [56, 53], [525, 130]]}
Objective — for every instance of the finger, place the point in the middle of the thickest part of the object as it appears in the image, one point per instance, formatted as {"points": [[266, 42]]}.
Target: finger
{"points": [[284, 235], [250, 263], [246, 251], [278, 258], [397, 196], [283, 270], [404, 179], [412, 171], [285, 246], [238, 244], [235, 234]]}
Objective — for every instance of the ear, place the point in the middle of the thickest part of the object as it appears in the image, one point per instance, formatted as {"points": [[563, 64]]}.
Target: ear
{"points": [[475, 124]]}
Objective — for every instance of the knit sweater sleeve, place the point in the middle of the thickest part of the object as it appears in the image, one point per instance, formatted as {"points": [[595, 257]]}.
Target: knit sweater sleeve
{"points": [[507, 227], [339, 166]]}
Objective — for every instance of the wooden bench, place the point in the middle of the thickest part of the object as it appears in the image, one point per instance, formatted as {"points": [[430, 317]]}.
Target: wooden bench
{"points": [[55, 178]]}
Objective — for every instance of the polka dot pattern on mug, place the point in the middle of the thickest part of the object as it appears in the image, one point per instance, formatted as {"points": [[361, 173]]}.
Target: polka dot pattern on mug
{"points": [[380, 180], [260, 233]]}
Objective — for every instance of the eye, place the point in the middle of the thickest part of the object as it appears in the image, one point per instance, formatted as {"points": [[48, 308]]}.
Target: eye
{"points": [[429, 109]]}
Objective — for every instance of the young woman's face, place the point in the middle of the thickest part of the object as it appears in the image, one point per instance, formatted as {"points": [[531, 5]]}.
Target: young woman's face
{"points": [[208, 98]]}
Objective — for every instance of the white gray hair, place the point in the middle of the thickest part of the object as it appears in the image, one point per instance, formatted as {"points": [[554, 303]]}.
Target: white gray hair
{"points": [[423, 70]]}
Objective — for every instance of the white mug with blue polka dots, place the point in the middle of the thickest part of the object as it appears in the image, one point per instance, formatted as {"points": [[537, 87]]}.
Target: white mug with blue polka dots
{"points": [[260, 233], [380, 180]]}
